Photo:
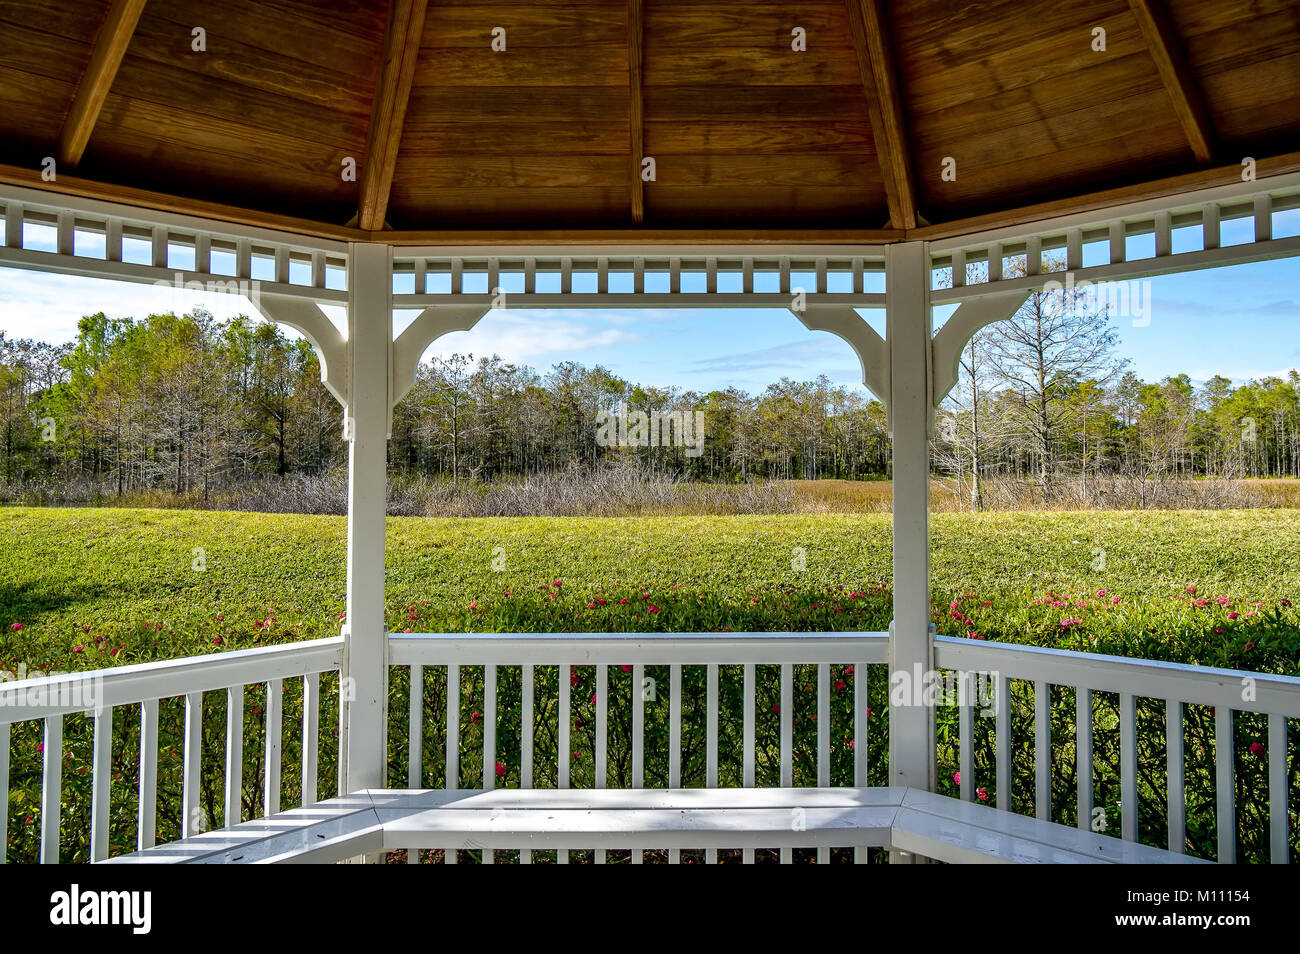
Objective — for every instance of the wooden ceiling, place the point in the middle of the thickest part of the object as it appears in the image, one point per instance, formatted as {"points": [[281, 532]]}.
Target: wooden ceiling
{"points": [[748, 136]]}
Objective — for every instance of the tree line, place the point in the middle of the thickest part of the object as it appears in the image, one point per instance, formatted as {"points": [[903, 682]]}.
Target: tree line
{"points": [[193, 405]]}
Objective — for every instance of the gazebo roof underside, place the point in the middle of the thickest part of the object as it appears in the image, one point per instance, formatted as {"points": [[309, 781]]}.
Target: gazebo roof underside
{"points": [[751, 140]]}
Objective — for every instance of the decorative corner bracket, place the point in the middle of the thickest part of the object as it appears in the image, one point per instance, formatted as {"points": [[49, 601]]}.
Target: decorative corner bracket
{"points": [[431, 324], [305, 316], [970, 317], [872, 352]]}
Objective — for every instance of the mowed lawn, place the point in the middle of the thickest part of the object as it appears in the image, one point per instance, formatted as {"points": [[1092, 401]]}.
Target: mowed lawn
{"points": [[106, 587]]}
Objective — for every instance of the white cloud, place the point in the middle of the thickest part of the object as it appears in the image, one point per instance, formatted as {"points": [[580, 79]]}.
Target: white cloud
{"points": [[48, 306]]}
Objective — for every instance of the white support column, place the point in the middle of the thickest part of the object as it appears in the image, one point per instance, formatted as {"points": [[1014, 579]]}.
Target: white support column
{"points": [[911, 727], [370, 333]]}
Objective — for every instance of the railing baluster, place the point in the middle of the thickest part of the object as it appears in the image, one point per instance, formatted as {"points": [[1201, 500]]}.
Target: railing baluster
{"points": [[1225, 802], [1263, 217], [271, 788], [711, 743], [4, 791], [113, 240], [860, 686], [192, 756], [148, 818], [449, 855], [1128, 765], [638, 725], [823, 740], [1210, 225], [1002, 731], [1042, 751], [101, 785], [67, 233], [1174, 771], [14, 224], [51, 790], [675, 740], [526, 743], [234, 755], [1083, 754], [602, 737], [602, 725], [489, 740], [1118, 248], [566, 723], [748, 745], [787, 738], [966, 742], [453, 728], [1164, 238], [311, 736], [1279, 846]]}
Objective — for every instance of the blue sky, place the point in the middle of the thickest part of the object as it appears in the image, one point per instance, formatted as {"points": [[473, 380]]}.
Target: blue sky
{"points": [[1242, 321]]}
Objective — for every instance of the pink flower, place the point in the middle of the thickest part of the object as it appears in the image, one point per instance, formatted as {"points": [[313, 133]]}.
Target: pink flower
{"points": [[956, 777], [623, 601], [216, 641], [501, 768], [1192, 588], [1233, 615], [474, 717], [852, 744], [982, 794], [840, 684], [77, 649], [474, 605], [573, 678], [577, 756], [653, 609], [848, 670], [1114, 599], [557, 584], [1256, 748], [626, 668], [1249, 647], [1200, 603], [593, 698], [15, 627], [1222, 599], [1218, 631], [1101, 593], [1070, 621], [591, 606]]}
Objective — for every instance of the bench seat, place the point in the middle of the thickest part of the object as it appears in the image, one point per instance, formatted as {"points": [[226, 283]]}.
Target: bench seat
{"points": [[933, 826]]}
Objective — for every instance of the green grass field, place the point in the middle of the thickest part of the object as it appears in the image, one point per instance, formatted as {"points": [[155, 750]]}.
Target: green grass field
{"points": [[124, 584], [84, 589]]}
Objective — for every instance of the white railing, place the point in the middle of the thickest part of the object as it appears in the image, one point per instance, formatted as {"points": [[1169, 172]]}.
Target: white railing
{"points": [[456, 672], [97, 694], [1203, 211], [1137, 685], [106, 240], [715, 277]]}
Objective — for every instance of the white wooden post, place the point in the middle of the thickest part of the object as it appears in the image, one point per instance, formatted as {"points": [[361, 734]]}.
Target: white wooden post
{"points": [[365, 669], [911, 727]]}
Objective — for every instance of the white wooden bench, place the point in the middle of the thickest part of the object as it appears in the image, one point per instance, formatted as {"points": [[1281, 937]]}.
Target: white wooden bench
{"points": [[933, 826]]}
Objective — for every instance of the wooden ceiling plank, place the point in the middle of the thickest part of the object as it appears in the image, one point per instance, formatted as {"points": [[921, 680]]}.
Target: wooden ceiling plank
{"points": [[105, 58], [636, 109], [401, 52], [884, 103], [1171, 64]]}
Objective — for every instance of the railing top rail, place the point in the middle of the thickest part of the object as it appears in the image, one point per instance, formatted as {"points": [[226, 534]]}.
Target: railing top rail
{"points": [[647, 648], [97, 689], [1154, 679]]}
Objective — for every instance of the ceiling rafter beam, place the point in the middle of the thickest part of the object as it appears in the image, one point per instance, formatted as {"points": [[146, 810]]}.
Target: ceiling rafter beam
{"points": [[885, 105], [110, 46], [636, 109], [388, 114], [1165, 48]]}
